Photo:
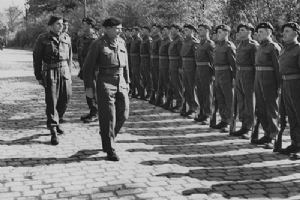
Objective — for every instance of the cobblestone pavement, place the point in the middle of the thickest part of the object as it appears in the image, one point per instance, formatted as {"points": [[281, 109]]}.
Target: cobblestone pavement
{"points": [[163, 156]]}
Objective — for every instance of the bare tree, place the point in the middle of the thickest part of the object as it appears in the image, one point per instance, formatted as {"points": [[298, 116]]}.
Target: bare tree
{"points": [[14, 16]]}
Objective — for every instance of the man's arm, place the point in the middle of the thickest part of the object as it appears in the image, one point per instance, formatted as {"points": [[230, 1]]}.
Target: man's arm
{"points": [[90, 64], [38, 58]]}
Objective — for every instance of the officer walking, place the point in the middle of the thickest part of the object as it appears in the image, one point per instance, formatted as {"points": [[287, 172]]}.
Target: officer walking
{"points": [[175, 67], [187, 54], [163, 83], [266, 85], [244, 84], [145, 49], [289, 67], [84, 42], [204, 73], [108, 54], [156, 41], [52, 59], [135, 61], [225, 68]]}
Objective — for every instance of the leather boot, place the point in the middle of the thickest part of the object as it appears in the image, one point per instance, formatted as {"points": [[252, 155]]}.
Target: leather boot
{"points": [[54, 139]]}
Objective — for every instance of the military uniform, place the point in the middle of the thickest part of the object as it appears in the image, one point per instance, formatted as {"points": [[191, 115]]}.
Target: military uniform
{"points": [[52, 59], [187, 54], [175, 70], [204, 77], [156, 41], [135, 61], [163, 82], [225, 67], [244, 88], [266, 86], [83, 46], [110, 58], [145, 66]]}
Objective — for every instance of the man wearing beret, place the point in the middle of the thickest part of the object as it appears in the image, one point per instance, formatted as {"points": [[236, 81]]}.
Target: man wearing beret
{"points": [[266, 85], [225, 68], [289, 67], [175, 67], [204, 73], [84, 42], [135, 61], [145, 50], [108, 56], [187, 54], [156, 41], [52, 59], [244, 83], [163, 82]]}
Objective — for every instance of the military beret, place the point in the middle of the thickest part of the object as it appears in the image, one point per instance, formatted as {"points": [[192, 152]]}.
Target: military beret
{"points": [[65, 20], [167, 27], [157, 25], [146, 27], [190, 26], [175, 26], [248, 26], [223, 27], [89, 21], [292, 25], [53, 19], [136, 28], [206, 26], [264, 25], [112, 21]]}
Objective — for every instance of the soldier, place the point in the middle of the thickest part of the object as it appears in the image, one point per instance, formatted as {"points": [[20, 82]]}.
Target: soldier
{"points": [[84, 42], [289, 67], [163, 83], [108, 55], [175, 67], [189, 67], [224, 65], [156, 41], [135, 62], [244, 84], [204, 73], [266, 85], [128, 40], [145, 49], [66, 26], [52, 59]]}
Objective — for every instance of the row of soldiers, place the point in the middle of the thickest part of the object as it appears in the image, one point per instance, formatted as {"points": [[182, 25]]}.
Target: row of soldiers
{"points": [[170, 63]]}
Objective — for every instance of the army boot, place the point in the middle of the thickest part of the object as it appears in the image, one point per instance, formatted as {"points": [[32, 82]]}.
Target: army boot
{"points": [[54, 139]]}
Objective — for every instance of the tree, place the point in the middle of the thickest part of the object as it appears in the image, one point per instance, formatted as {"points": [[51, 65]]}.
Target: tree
{"points": [[14, 16]]}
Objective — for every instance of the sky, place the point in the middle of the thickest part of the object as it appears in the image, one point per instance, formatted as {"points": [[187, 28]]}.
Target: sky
{"points": [[4, 4]]}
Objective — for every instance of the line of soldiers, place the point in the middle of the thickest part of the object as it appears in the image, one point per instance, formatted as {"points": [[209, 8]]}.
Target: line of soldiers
{"points": [[173, 68]]}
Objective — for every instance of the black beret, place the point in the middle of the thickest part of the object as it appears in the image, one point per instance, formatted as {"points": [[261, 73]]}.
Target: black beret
{"points": [[65, 20], [112, 21], [223, 27], [167, 27], [248, 26], [292, 25], [206, 26], [264, 25], [157, 25], [190, 26], [53, 19], [175, 26], [89, 21], [146, 27], [136, 28]]}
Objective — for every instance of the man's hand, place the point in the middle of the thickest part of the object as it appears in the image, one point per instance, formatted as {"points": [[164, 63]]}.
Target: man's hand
{"points": [[41, 82]]}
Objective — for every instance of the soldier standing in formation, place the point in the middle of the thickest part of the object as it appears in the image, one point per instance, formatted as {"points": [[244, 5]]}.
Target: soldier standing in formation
{"points": [[187, 54], [135, 61], [225, 68], [84, 42], [156, 41], [163, 83], [145, 49], [108, 55], [204, 73], [175, 67], [266, 86], [244, 83], [52, 59], [289, 67]]}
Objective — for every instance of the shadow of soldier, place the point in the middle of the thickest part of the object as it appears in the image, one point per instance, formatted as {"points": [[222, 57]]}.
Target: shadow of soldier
{"points": [[82, 155], [26, 140]]}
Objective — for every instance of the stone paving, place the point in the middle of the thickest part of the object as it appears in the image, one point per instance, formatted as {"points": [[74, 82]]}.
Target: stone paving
{"points": [[163, 156]]}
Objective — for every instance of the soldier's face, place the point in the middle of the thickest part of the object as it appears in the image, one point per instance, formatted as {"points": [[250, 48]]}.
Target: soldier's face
{"points": [[58, 26], [263, 34], [66, 27], [288, 34], [243, 33], [202, 31], [187, 32], [221, 35], [114, 31], [165, 32]]}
